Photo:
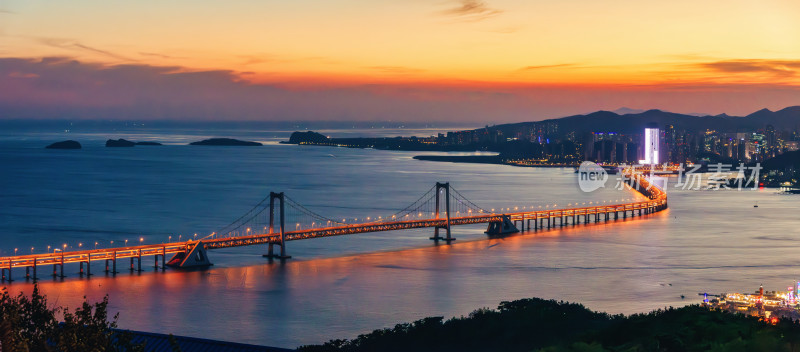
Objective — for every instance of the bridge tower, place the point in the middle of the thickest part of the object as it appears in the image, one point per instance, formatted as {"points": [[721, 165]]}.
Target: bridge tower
{"points": [[271, 254], [446, 187]]}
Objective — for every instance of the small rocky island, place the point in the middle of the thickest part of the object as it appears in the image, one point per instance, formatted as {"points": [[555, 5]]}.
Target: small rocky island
{"points": [[226, 142], [70, 144], [308, 137], [116, 143], [119, 143]]}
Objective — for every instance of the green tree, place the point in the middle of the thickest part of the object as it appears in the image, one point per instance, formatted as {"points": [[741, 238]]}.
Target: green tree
{"points": [[27, 324]]}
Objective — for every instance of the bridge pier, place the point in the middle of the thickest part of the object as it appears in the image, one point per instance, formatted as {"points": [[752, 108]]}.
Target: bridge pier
{"points": [[271, 252], [88, 267], [191, 257], [56, 268], [113, 261], [7, 270], [503, 227], [138, 260], [270, 248]]}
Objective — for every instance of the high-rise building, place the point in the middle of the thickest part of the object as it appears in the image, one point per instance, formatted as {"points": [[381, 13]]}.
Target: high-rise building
{"points": [[652, 142], [670, 142]]}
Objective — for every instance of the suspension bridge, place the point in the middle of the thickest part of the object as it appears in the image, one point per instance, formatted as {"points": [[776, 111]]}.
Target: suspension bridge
{"points": [[269, 223]]}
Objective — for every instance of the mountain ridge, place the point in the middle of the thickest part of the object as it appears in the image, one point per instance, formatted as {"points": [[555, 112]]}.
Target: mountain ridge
{"points": [[608, 121]]}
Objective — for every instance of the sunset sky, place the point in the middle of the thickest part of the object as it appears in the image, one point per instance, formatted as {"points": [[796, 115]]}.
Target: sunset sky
{"points": [[412, 60]]}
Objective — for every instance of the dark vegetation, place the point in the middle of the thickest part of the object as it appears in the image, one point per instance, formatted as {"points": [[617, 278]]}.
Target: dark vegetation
{"points": [[551, 326], [30, 324]]}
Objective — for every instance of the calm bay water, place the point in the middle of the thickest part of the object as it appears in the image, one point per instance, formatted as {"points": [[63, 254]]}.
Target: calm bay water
{"points": [[342, 286]]}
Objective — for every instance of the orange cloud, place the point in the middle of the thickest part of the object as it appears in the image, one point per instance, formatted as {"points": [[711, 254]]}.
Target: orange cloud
{"points": [[471, 11], [774, 67]]}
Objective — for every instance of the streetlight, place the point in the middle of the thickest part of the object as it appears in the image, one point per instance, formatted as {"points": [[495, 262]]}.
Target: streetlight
{"points": [[65, 246], [126, 243], [95, 245], [80, 245], [31, 250], [48, 249], [141, 239], [15, 251], [170, 239]]}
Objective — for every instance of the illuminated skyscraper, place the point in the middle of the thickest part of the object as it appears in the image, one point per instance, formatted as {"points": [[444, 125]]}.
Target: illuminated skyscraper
{"points": [[651, 145]]}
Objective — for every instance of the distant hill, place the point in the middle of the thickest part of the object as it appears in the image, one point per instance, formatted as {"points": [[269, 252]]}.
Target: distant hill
{"points": [[607, 121], [625, 111]]}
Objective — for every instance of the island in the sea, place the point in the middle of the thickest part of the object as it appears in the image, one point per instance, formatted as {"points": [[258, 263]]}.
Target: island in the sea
{"points": [[70, 144], [148, 143], [226, 142], [124, 143]]}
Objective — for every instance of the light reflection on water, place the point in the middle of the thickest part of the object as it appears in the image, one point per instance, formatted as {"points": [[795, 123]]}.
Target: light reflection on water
{"points": [[340, 287]]}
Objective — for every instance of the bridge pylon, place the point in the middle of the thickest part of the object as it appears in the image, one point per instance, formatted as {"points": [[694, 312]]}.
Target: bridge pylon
{"points": [[270, 252], [436, 237]]}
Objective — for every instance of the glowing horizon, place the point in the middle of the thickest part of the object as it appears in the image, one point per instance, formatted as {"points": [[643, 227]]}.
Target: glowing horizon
{"points": [[628, 47]]}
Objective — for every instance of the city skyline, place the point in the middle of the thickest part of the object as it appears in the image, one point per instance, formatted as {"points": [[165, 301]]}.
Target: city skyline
{"points": [[463, 61]]}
